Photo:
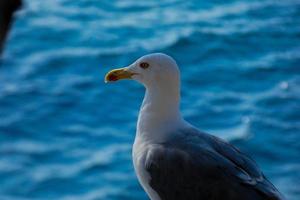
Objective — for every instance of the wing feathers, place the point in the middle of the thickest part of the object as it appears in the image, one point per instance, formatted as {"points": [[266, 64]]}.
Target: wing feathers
{"points": [[204, 167]]}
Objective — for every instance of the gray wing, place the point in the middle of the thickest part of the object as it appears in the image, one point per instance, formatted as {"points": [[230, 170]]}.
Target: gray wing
{"points": [[196, 166]]}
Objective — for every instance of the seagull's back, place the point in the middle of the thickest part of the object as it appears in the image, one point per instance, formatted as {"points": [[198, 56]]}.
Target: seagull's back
{"points": [[191, 165]]}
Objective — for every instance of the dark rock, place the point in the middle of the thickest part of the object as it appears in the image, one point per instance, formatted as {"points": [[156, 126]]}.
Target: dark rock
{"points": [[7, 9]]}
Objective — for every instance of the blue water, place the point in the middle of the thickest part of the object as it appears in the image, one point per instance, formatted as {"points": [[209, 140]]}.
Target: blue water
{"points": [[66, 135]]}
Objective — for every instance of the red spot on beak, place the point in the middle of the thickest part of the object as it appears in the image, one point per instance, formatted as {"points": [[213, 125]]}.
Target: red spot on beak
{"points": [[112, 77]]}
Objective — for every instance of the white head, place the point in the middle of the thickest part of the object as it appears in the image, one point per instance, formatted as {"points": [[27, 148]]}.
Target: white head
{"points": [[154, 70]]}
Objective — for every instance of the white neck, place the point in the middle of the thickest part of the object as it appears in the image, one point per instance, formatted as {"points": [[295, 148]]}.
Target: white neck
{"points": [[159, 113]]}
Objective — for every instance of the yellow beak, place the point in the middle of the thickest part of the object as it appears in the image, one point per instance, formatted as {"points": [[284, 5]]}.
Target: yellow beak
{"points": [[118, 74]]}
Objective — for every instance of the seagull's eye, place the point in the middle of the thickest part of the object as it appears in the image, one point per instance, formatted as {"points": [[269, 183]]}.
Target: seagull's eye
{"points": [[144, 65]]}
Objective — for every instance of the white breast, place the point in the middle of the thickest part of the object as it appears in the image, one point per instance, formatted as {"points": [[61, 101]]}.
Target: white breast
{"points": [[139, 156]]}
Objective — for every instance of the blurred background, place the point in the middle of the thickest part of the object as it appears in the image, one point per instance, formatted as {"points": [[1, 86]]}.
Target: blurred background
{"points": [[63, 133]]}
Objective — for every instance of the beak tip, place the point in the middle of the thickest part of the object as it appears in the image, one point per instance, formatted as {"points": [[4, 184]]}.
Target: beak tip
{"points": [[107, 80]]}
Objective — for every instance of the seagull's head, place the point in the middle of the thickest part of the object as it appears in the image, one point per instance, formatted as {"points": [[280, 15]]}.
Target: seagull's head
{"points": [[157, 69]]}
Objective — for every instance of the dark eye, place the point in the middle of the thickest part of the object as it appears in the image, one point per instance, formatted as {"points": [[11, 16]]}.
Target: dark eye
{"points": [[144, 65]]}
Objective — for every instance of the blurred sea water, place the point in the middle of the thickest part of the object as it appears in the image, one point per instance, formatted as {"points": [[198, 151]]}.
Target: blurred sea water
{"points": [[66, 135]]}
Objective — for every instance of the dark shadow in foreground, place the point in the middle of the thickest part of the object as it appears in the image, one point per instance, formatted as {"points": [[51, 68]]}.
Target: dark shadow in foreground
{"points": [[7, 9]]}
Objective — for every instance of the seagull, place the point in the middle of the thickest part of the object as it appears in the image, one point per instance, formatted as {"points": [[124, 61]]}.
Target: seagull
{"points": [[173, 159]]}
